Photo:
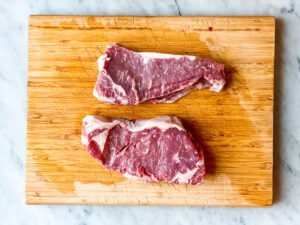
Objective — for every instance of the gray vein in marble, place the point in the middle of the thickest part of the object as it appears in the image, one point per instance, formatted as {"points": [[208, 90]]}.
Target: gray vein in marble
{"points": [[178, 8], [290, 169], [290, 9]]}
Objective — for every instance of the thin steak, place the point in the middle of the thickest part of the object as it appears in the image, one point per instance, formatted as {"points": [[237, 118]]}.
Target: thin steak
{"points": [[158, 149], [129, 78]]}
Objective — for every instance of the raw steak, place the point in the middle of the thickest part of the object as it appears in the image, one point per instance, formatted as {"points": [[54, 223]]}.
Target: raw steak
{"points": [[128, 78], [158, 149]]}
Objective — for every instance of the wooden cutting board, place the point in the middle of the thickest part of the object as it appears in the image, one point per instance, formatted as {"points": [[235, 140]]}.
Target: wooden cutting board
{"points": [[235, 126]]}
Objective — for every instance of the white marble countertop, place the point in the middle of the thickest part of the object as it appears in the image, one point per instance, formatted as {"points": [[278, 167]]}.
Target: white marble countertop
{"points": [[13, 76]]}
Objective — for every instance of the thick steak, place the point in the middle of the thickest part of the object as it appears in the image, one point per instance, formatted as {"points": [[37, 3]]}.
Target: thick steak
{"points": [[158, 149]]}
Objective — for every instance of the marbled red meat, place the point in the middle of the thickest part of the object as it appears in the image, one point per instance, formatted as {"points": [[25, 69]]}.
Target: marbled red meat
{"points": [[158, 149], [129, 78]]}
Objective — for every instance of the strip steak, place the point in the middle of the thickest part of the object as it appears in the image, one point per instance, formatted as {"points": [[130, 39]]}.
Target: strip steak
{"points": [[129, 78], [158, 149]]}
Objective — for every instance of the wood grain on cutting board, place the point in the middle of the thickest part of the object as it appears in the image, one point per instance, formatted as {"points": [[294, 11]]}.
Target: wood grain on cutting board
{"points": [[235, 127]]}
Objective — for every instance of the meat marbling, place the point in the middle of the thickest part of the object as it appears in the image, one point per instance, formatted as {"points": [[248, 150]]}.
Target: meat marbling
{"points": [[129, 78], [157, 149]]}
